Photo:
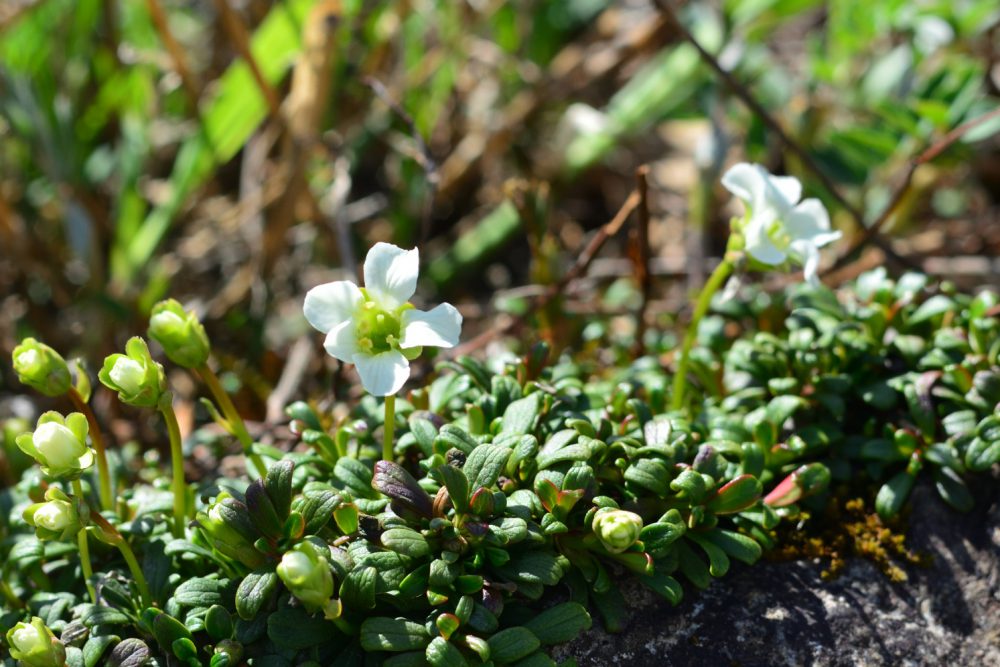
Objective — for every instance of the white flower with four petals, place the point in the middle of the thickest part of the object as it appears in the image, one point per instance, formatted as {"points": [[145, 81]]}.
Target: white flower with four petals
{"points": [[777, 225], [375, 327]]}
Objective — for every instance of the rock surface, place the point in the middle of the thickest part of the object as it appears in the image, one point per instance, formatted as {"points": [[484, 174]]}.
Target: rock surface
{"points": [[774, 614]]}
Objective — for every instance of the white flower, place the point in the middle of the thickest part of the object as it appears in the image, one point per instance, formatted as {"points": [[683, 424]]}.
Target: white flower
{"points": [[375, 327], [59, 445], [55, 515], [128, 374], [777, 225]]}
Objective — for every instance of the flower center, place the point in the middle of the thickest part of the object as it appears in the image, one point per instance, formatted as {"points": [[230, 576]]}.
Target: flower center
{"points": [[378, 329], [779, 235]]}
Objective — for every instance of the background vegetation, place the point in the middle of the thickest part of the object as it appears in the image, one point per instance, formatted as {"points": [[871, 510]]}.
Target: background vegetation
{"points": [[234, 154]]}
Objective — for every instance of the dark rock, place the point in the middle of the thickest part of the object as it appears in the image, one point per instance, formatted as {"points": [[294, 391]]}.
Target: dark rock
{"points": [[770, 614]]}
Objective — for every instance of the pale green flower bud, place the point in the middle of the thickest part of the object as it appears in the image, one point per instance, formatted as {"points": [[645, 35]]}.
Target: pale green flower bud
{"points": [[617, 529], [138, 379], [59, 445], [128, 375], [34, 645], [229, 528], [179, 332], [306, 574], [40, 367], [55, 519]]}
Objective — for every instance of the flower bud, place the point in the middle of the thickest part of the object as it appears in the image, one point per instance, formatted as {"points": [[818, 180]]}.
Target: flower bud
{"points": [[228, 527], [306, 574], [40, 367], [179, 332], [59, 445], [617, 529], [55, 519], [34, 645], [134, 375]]}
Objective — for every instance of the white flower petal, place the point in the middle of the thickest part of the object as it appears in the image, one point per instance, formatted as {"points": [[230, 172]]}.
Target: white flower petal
{"points": [[331, 304], [391, 274], [382, 374], [787, 188], [759, 245], [808, 255], [342, 342], [438, 327], [746, 181], [807, 220]]}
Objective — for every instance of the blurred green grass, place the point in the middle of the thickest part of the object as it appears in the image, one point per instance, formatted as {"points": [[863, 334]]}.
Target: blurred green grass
{"points": [[130, 170]]}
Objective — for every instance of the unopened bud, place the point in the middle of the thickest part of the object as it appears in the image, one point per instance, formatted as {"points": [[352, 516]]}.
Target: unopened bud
{"points": [[33, 645], [40, 367], [54, 519], [134, 375], [59, 445], [179, 332], [617, 529], [306, 574]]}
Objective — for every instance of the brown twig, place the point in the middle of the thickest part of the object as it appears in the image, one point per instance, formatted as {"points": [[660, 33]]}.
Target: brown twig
{"points": [[757, 108], [639, 251], [750, 101], [928, 154], [578, 268], [237, 32], [188, 80], [422, 155]]}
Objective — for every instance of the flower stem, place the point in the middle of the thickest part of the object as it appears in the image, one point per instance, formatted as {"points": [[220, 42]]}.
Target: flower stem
{"points": [[103, 476], [237, 425], [11, 597], [83, 546], [137, 575], [177, 464], [112, 536], [389, 428], [715, 282]]}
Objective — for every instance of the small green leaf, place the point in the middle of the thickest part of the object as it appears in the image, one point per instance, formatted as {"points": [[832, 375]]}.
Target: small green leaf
{"points": [[484, 465], [255, 591], [406, 541], [440, 653], [935, 306], [457, 484], [201, 592], [218, 623], [952, 489], [559, 624], [512, 644], [739, 494], [129, 652], [520, 416], [735, 544], [358, 589], [278, 484], [893, 494], [379, 633], [95, 647], [98, 615]]}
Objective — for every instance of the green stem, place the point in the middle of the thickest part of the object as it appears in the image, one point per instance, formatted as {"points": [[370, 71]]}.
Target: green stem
{"points": [[84, 547], [137, 575], [389, 428], [103, 475], [11, 597], [237, 425], [715, 282], [177, 464]]}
